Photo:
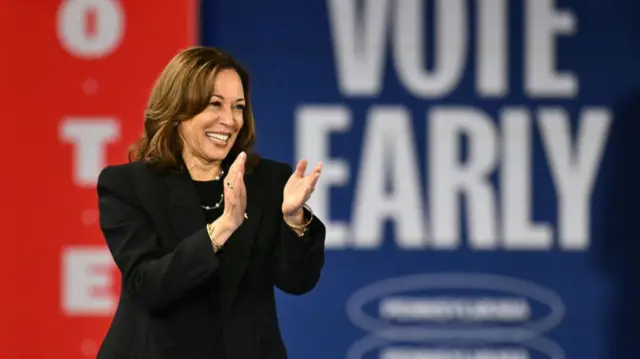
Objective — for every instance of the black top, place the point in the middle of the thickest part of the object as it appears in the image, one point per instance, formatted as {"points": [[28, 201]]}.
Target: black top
{"points": [[210, 194]]}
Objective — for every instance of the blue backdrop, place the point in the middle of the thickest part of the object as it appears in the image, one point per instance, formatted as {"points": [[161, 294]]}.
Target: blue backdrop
{"points": [[477, 186]]}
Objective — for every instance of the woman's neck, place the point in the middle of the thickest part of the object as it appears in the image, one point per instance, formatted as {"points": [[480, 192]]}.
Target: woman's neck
{"points": [[201, 170]]}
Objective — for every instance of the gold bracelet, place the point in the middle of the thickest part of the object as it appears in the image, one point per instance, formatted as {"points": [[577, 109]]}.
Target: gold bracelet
{"points": [[302, 227], [210, 229]]}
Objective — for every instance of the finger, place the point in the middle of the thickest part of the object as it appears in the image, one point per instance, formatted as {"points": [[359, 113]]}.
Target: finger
{"points": [[307, 193], [236, 167], [240, 161], [314, 176], [235, 195], [230, 198], [317, 169], [241, 191], [234, 204], [235, 184], [229, 186], [301, 168], [314, 179], [238, 164]]}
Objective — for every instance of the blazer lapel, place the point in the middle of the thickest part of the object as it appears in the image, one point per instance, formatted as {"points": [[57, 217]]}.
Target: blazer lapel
{"points": [[186, 214], [237, 250]]}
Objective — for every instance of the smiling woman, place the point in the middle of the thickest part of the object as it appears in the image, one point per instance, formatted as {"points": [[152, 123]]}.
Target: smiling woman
{"points": [[200, 227]]}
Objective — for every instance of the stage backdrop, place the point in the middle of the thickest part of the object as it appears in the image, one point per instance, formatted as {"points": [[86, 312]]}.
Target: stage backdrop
{"points": [[479, 182], [471, 185]]}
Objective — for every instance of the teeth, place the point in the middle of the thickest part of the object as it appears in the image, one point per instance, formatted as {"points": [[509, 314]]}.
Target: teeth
{"points": [[218, 136]]}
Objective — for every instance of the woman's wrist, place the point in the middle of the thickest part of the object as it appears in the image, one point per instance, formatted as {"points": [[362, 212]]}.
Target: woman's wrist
{"points": [[226, 223], [297, 221], [296, 218], [219, 231]]}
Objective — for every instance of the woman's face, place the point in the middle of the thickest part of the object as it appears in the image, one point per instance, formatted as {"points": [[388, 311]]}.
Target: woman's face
{"points": [[210, 135]]}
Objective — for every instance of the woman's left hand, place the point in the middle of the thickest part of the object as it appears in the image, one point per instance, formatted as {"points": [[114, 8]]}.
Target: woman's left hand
{"points": [[298, 190]]}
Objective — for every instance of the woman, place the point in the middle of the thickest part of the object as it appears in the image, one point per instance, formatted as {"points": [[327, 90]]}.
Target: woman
{"points": [[201, 228]]}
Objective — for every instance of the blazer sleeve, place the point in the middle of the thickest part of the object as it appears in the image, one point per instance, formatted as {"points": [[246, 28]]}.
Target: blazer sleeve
{"points": [[298, 261], [150, 276]]}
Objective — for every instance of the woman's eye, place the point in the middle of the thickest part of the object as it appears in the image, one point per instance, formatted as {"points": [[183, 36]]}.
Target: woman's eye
{"points": [[216, 104], [240, 107]]}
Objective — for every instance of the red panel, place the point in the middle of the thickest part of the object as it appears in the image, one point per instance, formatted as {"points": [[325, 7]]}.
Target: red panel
{"points": [[73, 72]]}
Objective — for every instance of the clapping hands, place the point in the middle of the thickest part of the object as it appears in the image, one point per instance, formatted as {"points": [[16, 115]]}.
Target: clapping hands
{"points": [[298, 190], [296, 193]]}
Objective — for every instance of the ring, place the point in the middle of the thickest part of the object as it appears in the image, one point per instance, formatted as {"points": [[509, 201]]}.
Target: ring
{"points": [[230, 185]]}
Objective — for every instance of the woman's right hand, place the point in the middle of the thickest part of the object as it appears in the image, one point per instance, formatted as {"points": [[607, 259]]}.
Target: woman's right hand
{"points": [[235, 194]]}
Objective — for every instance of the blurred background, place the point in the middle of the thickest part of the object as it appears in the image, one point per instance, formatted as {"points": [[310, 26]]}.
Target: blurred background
{"points": [[480, 166]]}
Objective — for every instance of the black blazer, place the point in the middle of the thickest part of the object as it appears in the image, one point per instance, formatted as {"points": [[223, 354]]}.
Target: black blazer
{"points": [[172, 305]]}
